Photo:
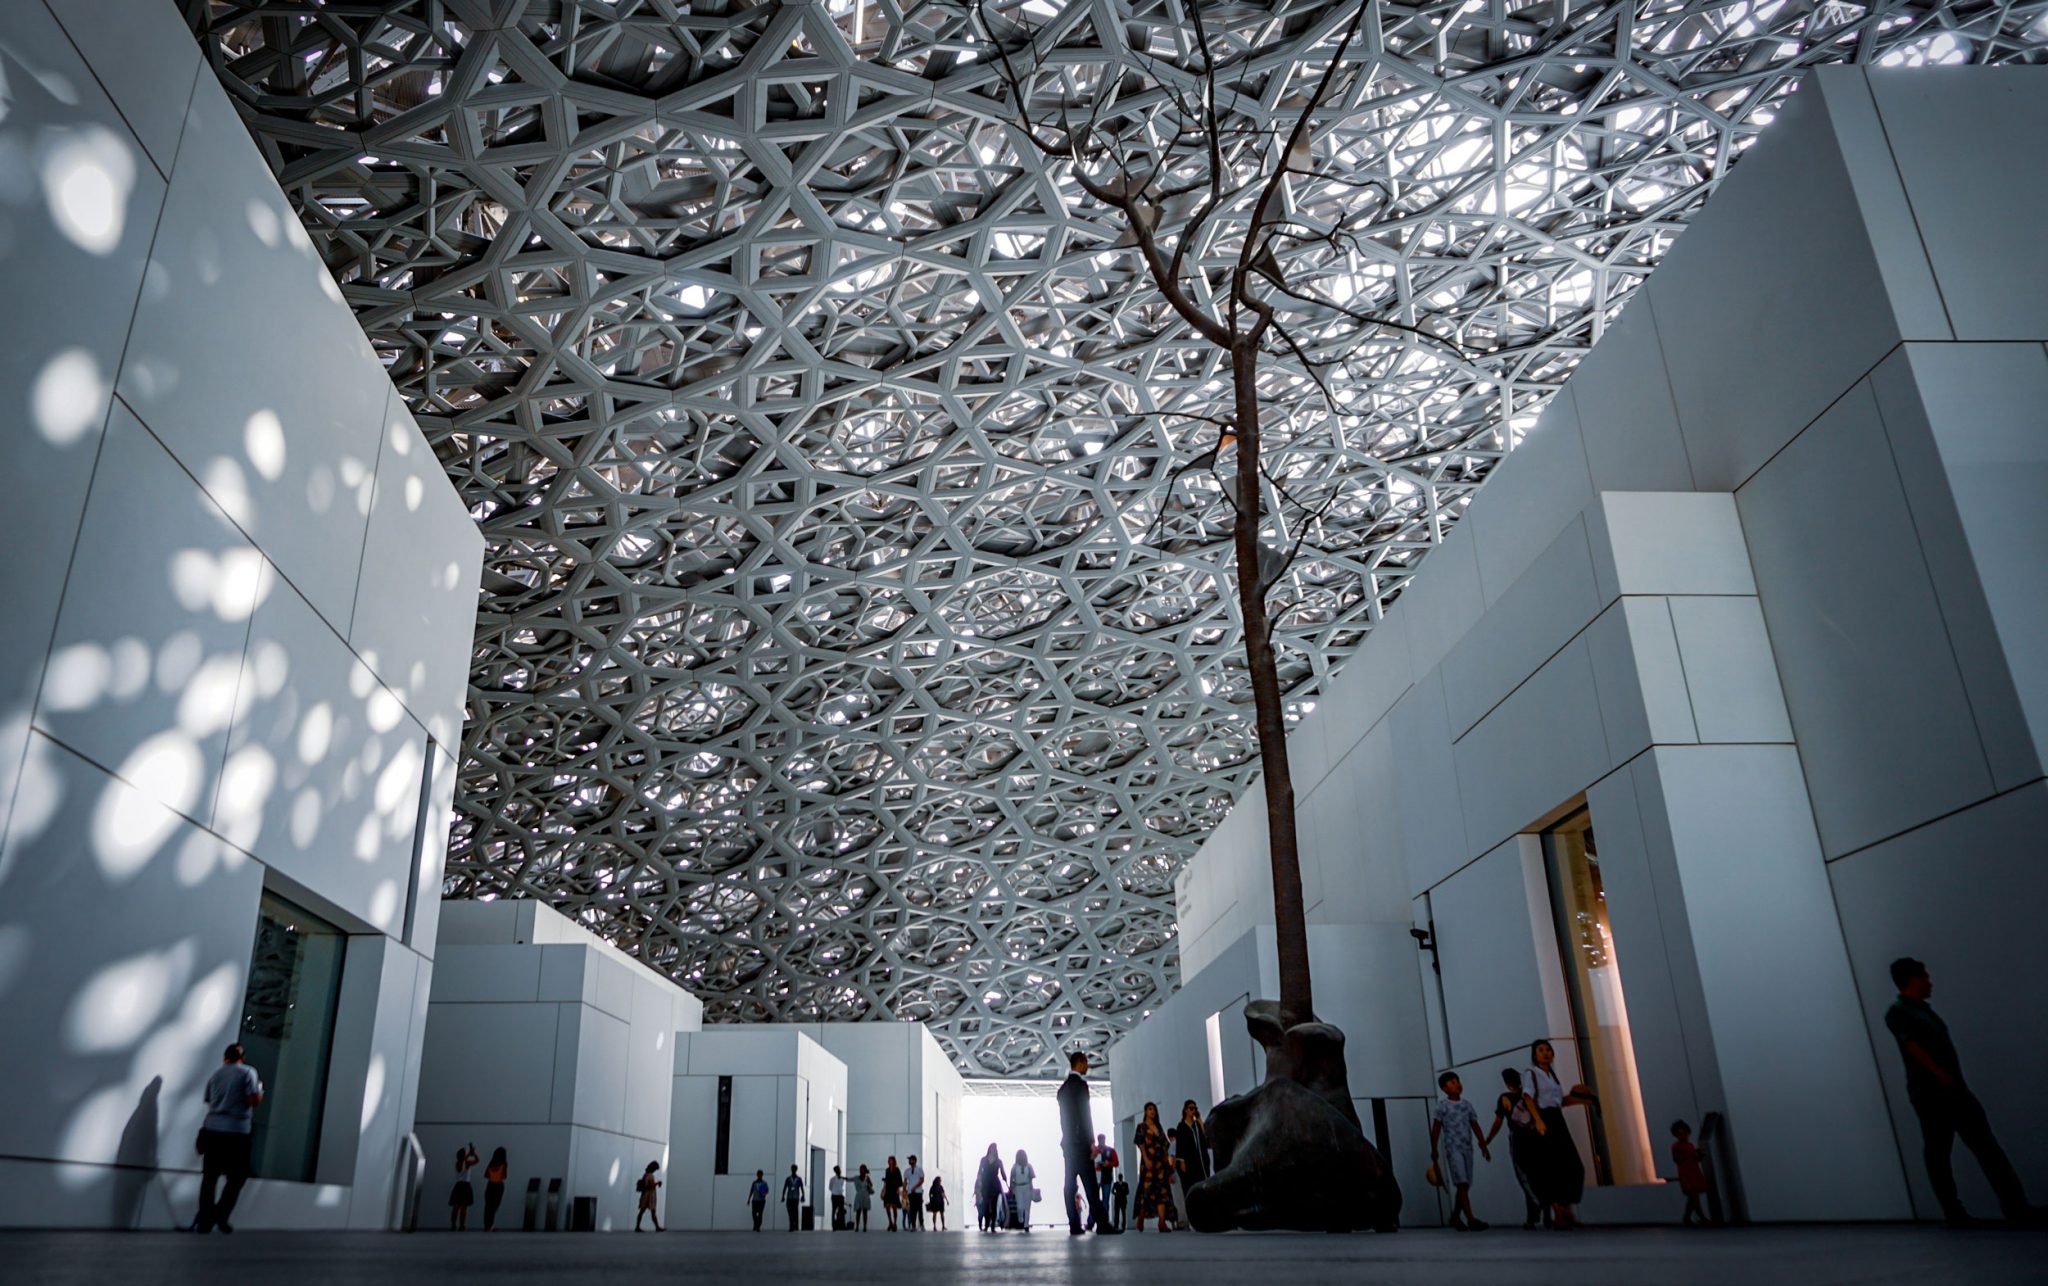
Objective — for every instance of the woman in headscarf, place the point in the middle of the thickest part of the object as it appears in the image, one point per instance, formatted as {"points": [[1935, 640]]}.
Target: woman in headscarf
{"points": [[1190, 1151], [1155, 1172], [1022, 1191], [988, 1188]]}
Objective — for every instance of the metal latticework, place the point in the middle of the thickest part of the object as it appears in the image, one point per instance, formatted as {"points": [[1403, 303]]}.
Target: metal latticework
{"points": [[839, 651]]}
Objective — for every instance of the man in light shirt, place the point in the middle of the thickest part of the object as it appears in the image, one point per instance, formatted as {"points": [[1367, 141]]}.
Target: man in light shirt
{"points": [[913, 1195], [232, 1093], [836, 1185]]}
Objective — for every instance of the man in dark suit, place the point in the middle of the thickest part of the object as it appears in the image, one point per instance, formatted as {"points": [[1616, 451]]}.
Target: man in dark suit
{"points": [[1077, 1142]]}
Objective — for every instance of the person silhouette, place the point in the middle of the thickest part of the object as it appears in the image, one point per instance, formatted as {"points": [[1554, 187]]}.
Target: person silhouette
{"points": [[1941, 1098]]}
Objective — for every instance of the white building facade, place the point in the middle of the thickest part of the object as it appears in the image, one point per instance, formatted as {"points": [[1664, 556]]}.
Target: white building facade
{"points": [[551, 1043], [1727, 691], [240, 597]]}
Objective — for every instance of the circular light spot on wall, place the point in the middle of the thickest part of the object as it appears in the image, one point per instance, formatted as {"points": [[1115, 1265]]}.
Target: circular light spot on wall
{"points": [[263, 439], [69, 398], [86, 180]]}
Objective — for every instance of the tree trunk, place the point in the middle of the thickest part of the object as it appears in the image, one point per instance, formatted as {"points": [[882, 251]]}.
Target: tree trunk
{"points": [[1290, 922]]}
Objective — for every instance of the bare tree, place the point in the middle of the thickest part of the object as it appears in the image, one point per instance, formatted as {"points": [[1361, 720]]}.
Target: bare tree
{"points": [[1210, 189]]}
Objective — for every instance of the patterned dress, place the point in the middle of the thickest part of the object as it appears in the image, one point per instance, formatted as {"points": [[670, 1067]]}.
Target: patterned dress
{"points": [[1155, 1176]]}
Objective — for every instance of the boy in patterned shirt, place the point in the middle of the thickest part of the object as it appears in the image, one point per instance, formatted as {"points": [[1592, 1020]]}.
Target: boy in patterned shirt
{"points": [[1455, 1127]]}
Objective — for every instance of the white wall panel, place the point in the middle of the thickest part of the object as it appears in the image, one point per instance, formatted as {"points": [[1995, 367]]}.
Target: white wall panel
{"points": [[1538, 748], [480, 1065], [142, 56], [602, 1049], [1885, 731], [1432, 814], [284, 437], [1639, 677], [650, 1062], [414, 616], [1656, 1021], [1436, 609], [1491, 960], [323, 772], [1964, 423], [1528, 623], [439, 815], [1795, 1060], [1538, 488], [82, 267], [1797, 306], [1650, 542], [1627, 422], [1357, 854], [148, 651], [1962, 894], [1360, 695], [487, 974], [1729, 670], [1959, 192], [113, 1031]]}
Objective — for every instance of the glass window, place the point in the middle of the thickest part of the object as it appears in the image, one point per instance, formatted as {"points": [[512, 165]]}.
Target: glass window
{"points": [[288, 1033], [1621, 1136]]}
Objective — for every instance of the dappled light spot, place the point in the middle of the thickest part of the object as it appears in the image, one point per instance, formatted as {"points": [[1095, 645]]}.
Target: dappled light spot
{"points": [[384, 904], [263, 439], [118, 1005], [305, 818], [95, 1131], [185, 1049], [224, 481], [612, 1179], [86, 180], [316, 733], [362, 678], [245, 787], [176, 658], [70, 397], [207, 704], [415, 491], [129, 825], [366, 838], [269, 665], [356, 476], [373, 1091], [206, 254], [320, 489], [398, 786], [230, 584], [38, 791], [384, 710], [198, 857], [77, 676], [263, 221]]}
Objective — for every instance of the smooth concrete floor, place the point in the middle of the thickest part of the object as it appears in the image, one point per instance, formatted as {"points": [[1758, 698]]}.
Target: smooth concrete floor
{"points": [[1594, 1257]]}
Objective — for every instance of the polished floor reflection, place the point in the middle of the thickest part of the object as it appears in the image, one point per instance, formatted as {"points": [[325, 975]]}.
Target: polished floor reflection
{"points": [[1669, 1257]]}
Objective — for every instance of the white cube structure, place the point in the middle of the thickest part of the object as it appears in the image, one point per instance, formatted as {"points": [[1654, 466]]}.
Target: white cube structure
{"points": [[240, 593], [752, 1098], [1762, 595], [902, 1092], [548, 1042]]}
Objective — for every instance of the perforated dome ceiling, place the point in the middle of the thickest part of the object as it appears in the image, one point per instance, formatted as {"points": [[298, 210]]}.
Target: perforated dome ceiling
{"points": [[834, 653]]}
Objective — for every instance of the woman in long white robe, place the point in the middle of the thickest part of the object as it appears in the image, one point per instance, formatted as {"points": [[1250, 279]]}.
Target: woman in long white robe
{"points": [[1022, 1193]]}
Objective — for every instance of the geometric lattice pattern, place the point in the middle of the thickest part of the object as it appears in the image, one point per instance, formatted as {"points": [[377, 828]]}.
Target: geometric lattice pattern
{"points": [[839, 651]]}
